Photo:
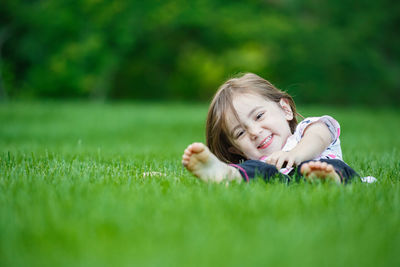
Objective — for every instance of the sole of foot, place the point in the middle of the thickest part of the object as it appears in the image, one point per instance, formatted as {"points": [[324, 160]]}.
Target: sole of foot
{"points": [[199, 160], [319, 171]]}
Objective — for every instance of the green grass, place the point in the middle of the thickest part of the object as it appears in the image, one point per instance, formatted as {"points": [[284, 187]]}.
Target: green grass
{"points": [[72, 193]]}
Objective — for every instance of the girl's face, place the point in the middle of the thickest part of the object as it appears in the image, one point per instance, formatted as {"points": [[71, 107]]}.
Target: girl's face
{"points": [[263, 127]]}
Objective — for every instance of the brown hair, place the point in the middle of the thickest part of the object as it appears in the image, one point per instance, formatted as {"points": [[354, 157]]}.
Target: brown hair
{"points": [[216, 129]]}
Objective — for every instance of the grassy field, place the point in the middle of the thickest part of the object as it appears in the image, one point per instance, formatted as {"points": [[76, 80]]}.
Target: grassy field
{"points": [[72, 193]]}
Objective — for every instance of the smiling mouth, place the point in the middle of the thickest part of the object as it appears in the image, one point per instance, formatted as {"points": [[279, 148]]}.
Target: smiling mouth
{"points": [[266, 142]]}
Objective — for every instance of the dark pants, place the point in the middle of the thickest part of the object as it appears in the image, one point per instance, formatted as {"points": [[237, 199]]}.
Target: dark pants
{"points": [[255, 168]]}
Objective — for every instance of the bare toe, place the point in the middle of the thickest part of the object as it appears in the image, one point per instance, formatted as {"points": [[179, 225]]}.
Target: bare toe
{"points": [[329, 168], [313, 164], [305, 168], [188, 151], [197, 147]]}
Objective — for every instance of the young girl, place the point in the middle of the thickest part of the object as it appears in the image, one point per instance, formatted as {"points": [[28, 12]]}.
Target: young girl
{"points": [[252, 131]]}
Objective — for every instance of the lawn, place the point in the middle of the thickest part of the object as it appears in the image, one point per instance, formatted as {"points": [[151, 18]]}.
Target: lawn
{"points": [[72, 193]]}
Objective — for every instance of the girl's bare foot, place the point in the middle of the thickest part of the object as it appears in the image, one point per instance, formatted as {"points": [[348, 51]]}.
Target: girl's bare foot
{"points": [[199, 160], [317, 170]]}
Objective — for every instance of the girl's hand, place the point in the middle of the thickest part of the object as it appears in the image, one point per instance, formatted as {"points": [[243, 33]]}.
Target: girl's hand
{"points": [[316, 138], [278, 158]]}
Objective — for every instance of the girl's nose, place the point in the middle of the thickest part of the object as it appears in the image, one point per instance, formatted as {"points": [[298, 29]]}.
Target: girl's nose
{"points": [[254, 132]]}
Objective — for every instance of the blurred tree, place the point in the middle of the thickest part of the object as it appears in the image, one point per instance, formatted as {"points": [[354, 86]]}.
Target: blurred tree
{"points": [[4, 33], [338, 52]]}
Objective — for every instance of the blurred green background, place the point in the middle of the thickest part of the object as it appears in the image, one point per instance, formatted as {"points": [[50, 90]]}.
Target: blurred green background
{"points": [[337, 52]]}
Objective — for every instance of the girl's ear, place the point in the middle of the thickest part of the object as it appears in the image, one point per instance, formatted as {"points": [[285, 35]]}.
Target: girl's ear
{"points": [[284, 103]]}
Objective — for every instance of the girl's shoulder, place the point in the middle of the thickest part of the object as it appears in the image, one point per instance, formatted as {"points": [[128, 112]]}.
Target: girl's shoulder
{"points": [[333, 151], [332, 124]]}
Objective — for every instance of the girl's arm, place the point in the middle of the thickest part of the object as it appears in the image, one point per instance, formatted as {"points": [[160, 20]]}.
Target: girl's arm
{"points": [[316, 138]]}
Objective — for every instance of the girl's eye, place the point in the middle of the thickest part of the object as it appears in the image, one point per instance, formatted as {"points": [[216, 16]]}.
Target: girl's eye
{"points": [[259, 115], [239, 134]]}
